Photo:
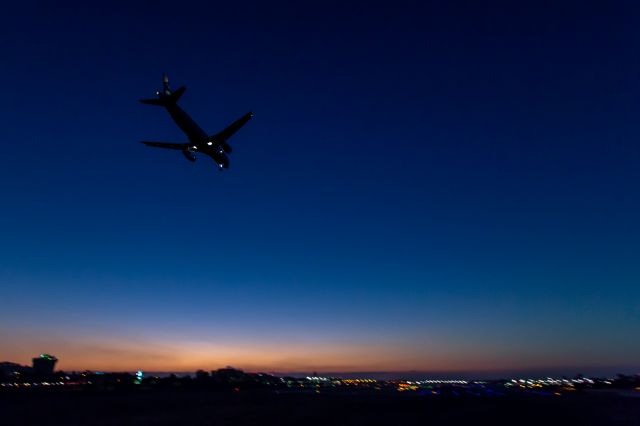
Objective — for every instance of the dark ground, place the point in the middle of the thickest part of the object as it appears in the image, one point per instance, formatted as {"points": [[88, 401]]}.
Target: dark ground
{"points": [[261, 408]]}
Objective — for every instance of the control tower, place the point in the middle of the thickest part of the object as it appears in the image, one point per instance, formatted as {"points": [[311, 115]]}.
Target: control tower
{"points": [[44, 364]]}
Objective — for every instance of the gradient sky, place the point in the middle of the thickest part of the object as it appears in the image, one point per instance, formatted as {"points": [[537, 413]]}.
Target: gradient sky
{"points": [[437, 186]]}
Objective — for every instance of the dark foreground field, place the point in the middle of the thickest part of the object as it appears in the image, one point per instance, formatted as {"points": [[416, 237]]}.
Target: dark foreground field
{"points": [[253, 408]]}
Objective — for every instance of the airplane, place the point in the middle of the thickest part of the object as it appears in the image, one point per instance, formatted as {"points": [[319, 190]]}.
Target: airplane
{"points": [[215, 146]]}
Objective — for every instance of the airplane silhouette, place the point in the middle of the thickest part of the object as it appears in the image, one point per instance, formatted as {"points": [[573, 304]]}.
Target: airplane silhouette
{"points": [[215, 146]]}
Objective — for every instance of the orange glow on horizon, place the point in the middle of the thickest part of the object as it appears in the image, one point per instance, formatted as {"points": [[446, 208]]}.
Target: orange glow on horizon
{"points": [[118, 354]]}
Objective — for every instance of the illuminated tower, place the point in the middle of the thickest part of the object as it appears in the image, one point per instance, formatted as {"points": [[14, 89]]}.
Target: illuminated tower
{"points": [[44, 364]]}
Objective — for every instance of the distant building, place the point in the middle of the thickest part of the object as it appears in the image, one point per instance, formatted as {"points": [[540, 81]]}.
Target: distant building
{"points": [[44, 364], [229, 375], [11, 369]]}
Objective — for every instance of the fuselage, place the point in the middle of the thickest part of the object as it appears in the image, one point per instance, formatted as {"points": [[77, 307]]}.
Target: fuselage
{"points": [[199, 140], [215, 146]]}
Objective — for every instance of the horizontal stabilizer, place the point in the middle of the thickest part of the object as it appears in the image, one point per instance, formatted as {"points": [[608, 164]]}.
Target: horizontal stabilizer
{"points": [[166, 100], [159, 102], [177, 94], [167, 145]]}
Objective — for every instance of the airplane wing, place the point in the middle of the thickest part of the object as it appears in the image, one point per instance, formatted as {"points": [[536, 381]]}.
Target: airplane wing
{"points": [[233, 127], [168, 145]]}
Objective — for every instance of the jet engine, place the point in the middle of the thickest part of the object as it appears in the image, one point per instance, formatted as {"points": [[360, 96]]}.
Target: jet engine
{"points": [[189, 155]]}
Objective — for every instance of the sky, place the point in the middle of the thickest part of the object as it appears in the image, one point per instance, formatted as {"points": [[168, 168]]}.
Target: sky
{"points": [[438, 186]]}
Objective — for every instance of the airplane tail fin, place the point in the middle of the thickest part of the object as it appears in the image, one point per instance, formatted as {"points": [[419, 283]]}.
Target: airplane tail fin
{"points": [[165, 100], [166, 97]]}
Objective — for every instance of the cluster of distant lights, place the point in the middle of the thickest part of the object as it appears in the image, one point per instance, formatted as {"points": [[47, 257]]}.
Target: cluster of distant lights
{"points": [[551, 382], [547, 381], [28, 385], [402, 384]]}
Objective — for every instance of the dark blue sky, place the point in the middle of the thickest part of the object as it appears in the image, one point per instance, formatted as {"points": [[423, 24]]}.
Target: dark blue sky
{"points": [[425, 185]]}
